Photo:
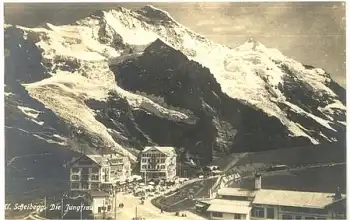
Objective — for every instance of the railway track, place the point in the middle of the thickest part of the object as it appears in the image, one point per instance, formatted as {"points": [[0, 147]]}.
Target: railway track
{"points": [[289, 169]]}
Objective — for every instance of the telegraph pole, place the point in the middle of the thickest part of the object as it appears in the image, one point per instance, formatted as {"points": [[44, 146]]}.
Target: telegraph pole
{"points": [[180, 169], [81, 211], [45, 205], [62, 210], [115, 203]]}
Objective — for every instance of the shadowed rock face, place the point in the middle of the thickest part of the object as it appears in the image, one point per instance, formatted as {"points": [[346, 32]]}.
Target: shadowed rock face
{"points": [[225, 125], [38, 136], [23, 65], [301, 94]]}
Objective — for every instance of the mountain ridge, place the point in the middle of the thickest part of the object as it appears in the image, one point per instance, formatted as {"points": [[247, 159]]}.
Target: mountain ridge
{"points": [[88, 60]]}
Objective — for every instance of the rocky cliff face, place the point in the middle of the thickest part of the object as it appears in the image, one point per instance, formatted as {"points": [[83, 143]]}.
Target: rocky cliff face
{"points": [[126, 79]]}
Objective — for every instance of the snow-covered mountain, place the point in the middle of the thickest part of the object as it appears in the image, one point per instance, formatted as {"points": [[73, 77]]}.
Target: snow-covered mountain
{"points": [[124, 79]]}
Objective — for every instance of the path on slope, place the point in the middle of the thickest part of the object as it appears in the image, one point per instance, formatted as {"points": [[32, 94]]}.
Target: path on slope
{"points": [[9, 163]]}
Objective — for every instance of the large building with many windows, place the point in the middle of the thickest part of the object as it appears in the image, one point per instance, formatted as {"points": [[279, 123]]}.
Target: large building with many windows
{"points": [[259, 204], [158, 163], [93, 172]]}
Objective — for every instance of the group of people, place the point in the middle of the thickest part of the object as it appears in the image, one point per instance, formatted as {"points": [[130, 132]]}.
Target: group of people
{"points": [[176, 213], [182, 215]]}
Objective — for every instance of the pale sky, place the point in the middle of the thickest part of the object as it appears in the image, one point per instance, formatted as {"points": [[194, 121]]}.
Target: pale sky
{"points": [[312, 33]]}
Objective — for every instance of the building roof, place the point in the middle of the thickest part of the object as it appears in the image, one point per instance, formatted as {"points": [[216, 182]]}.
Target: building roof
{"points": [[294, 198], [229, 209], [280, 197], [164, 150], [95, 158], [98, 194], [201, 205], [236, 192], [100, 160]]}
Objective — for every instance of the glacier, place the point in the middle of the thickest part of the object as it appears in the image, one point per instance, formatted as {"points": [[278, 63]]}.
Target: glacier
{"points": [[78, 58]]}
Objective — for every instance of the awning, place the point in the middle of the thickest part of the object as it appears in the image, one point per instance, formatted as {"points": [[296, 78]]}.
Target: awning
{"points": [[229, 209]]}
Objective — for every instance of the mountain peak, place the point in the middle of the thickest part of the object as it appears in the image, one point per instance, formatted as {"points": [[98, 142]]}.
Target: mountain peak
{"points": [[98, 13], [156, 14], [251, 44]]}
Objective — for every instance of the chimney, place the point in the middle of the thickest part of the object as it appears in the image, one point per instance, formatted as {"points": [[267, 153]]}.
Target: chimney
{"points": [[257, 182]]}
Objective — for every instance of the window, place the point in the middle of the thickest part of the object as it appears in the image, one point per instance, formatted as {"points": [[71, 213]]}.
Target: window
{"points": [[94, 185], [75, 170], [75, 177], [143, 166], [162, 160], [319, 211], [144, 160], [270, 213], [94, 170], [94, 177], [286, 217], [85, 170], [298, 217], [106, 170], [217, 214], [237, 216], [258, 212], [85, 186], [75, 185], [162, 167]]}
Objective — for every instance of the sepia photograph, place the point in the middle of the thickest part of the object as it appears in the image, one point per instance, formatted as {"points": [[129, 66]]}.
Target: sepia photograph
{"points": [[174, 110]]}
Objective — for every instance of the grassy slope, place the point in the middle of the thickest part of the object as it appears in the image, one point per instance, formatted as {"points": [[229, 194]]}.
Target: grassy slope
{"points": [[324, 179]]}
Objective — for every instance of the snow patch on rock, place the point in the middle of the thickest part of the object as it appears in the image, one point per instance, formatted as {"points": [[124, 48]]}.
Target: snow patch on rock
{"points": [[29, 111]]}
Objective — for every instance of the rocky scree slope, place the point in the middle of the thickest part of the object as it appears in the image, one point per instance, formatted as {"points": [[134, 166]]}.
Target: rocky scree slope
{"points": [[125, 79]]}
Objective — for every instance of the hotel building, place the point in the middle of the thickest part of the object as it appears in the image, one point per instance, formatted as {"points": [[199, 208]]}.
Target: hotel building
{"points": [[158, 163], [93, 172]]}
